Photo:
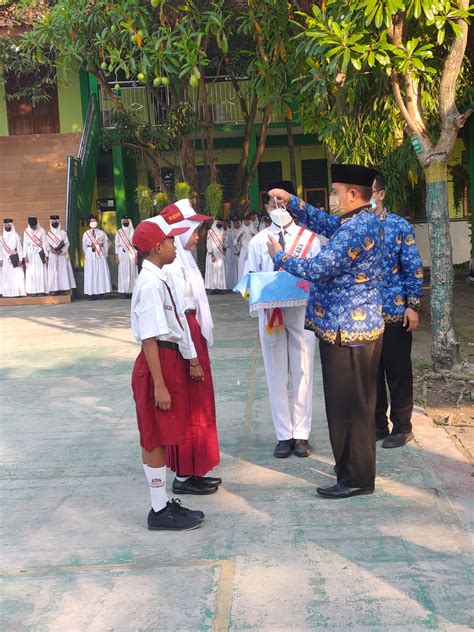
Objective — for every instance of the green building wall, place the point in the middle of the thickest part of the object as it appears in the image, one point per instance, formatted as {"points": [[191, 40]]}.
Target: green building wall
{"points": [[3, 109], [69, 103]]}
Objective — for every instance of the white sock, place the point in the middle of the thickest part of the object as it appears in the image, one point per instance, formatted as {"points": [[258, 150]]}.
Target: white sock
{"points": [[156, 478], [181, 479]]}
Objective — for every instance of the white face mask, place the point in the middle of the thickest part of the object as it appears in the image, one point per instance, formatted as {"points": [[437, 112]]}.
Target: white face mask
{"points": [[280, 217], [93, 224], [374, 201], [334, 203]]}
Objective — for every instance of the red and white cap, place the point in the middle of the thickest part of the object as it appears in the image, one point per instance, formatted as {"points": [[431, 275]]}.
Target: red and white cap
{"points": [[180, 211], [152, 231]]}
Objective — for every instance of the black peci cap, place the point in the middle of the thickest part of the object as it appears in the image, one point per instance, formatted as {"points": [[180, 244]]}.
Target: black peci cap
{"points": [[353, 174]]}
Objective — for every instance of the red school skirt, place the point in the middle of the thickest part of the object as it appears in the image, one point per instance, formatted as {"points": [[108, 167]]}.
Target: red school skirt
{"points": [[200, 452], [161, 427]]}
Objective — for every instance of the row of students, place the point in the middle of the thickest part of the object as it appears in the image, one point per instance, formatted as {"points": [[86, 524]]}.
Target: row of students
{"points": [[172, 380], [39, 264], [227, 249], [95, 247]]}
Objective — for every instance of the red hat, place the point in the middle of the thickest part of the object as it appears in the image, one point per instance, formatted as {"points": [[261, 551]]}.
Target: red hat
{"points": [[180, 211], [149, 233]]}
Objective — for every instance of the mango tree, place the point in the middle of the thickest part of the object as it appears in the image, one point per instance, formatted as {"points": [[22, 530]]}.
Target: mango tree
{"points": [[411, 54]]}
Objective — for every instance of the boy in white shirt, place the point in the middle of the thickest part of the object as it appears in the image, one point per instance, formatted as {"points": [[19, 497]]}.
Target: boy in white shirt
{"points": [[159, 380]]}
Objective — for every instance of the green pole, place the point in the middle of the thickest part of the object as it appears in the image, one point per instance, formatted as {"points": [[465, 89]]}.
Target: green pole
{"points": [[471, 188], [85, 92], [254, 191], [119, 183]]}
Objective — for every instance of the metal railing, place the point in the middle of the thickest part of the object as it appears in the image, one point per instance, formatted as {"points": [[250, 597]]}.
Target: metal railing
{"points": [[81, 173], [224, 103]]}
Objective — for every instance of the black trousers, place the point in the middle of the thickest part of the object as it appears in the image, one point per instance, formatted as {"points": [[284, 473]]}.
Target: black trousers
{"points": [[396, 372], [350, 391]]}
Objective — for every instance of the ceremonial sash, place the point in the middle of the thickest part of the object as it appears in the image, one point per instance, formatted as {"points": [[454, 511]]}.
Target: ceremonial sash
{"points": [[55, 240], [7, 249], [95, 243], [127, 243], [217, 241], [35, 239], [299, 248]]}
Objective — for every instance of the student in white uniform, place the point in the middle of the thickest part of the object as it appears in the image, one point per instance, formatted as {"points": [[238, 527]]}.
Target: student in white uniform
{"points": [[215, 259], [254, 221], [247, 233], [232, 255], [95, 246], [126, 258], [60, 274], [35, 255], [11, 259], [288, 353]]}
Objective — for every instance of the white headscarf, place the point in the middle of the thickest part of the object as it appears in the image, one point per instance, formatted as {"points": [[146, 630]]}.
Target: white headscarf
{"points": [[10, 237], [128, 232], [194, 278], [56, 231]]}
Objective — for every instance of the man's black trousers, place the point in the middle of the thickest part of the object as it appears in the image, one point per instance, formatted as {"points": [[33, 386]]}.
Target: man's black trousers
{"points": [[350, 391]]}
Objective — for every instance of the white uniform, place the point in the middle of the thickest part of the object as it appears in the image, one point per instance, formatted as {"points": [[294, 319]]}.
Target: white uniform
{"points": [[127, 259], [36, 277], [231, 260], [12, 278], [288, 353], [60, 274], [215, 270], [96, 268], [246, 235]]}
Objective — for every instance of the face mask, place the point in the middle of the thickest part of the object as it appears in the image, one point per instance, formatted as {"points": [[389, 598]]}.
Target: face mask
{"points": [[54, 224], [93, 224], [32, 223], [8, 228], [219, 225], [374, 201], [280, 217], [334, 203], [125, 223]]}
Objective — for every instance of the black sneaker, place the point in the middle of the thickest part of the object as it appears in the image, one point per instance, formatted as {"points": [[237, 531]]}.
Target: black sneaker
{"points": [[191, 512], [302, 448], [172, 519], [283, 449]]}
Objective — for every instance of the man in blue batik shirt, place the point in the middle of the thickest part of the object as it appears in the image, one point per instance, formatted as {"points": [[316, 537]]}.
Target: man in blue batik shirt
{"points": [[345, 312], [401, 289]]}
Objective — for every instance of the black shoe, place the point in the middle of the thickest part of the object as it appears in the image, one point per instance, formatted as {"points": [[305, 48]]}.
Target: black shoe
{"points": [[210, 480], [101, 297], [191, 512], [94, 297], [172, 519], [302, 447], [283, 449], [381, 434], [341, 491], [193, 485], [398, 439]]}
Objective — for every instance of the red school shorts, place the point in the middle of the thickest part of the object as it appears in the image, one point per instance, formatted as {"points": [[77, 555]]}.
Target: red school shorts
{"points": [[161, 427]]}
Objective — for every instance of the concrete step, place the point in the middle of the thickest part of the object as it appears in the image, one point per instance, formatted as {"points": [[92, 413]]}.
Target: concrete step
{"points": [[35, 300]]}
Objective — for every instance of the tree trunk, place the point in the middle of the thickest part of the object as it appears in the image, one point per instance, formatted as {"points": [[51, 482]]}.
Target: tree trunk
{"points": [[188, 162], [445, 348], [291, 150], [208, 146], [238, 195]]}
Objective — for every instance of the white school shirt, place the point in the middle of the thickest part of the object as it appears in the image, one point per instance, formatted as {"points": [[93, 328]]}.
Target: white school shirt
{"points": [[258, 259], [153, 314]]}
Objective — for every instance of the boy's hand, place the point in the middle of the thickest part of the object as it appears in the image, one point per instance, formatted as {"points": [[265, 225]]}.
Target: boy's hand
{"points": [[273, 246], [162, 398], [196, 373], [213, 259]]}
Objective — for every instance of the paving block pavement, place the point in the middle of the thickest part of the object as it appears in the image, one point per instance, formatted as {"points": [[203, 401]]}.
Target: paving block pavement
{"points": [[270, 556]]}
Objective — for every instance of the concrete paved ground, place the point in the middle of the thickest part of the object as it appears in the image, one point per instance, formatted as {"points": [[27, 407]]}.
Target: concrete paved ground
{"points": [[270, 556]]}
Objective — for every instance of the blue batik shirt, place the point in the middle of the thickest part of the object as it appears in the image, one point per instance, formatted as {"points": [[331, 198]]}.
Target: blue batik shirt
{"points": [[402, 268], [345, 304]]}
